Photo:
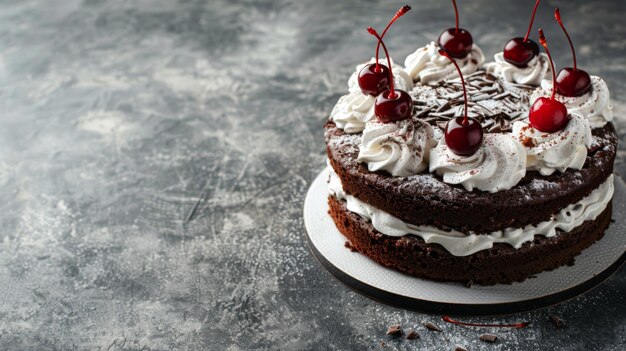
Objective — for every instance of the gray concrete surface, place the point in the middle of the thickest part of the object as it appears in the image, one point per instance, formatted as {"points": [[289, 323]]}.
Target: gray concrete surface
{"points": [[154, 157]]}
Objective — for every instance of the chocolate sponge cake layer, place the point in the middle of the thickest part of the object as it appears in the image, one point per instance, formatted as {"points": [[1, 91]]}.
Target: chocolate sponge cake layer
{"points": [[500, 264], [426, 199]]}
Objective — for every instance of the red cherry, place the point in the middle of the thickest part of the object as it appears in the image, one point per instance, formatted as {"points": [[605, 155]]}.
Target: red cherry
{"points": [[464, 135], [519, 51], [394, 108], [548, 114], [571, 81], [374, 78], [457, 42], [391, 105], [373, 81]]}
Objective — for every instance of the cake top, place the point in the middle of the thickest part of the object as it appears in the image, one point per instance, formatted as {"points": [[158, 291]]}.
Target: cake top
{"points": [[450, 113], [493, 105]]}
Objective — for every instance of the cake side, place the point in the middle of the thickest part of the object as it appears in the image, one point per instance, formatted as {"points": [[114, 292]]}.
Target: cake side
{"points": [[424, 199]]}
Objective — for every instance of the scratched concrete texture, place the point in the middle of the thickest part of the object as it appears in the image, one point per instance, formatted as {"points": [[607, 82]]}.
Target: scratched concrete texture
{"points": [[154, 157]]}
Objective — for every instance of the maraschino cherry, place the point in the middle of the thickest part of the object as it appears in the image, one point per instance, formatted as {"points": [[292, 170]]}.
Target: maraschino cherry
{"points": [[394, 104], [571, 81], [519, 51], [548, 114], [457, 42], [374, 77], [464, 135]]}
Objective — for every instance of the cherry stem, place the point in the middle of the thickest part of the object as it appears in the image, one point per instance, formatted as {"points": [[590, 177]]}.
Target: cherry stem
{"points": [[532, 19], [372, 31], [516, 325], [557, 16], [544, 43], [404, 9], [443, 53], [456, 14]]}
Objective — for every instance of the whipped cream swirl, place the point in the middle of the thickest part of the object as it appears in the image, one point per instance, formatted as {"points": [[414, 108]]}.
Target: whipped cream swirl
{"points": [[549, 152], [400, 148], [499, 164], [595, 104], [352, 111], [426, 66], [459, 244], [401, 79], [536, 70]]}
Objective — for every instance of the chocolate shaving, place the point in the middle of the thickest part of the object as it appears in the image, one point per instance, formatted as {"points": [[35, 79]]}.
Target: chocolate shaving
{"points": [[412, 335], [432, 327], [490, 102], [488, 338], [456, 95], [394, 330], [502, 95], [442, 101], [442, 124], [557, 321], [423, 112], [444, 106], [482, 104], [500, 124], [459, 348], [480, 97], [436, 114]]}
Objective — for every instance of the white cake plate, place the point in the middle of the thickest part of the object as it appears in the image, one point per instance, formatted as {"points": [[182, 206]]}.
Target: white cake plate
{"points": [[593, 266]]}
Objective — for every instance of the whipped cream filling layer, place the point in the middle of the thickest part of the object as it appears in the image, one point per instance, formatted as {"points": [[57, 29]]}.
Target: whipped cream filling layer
{"points": [[459, 244], [427, 66], [595, 104]]}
